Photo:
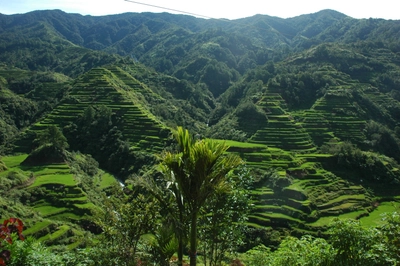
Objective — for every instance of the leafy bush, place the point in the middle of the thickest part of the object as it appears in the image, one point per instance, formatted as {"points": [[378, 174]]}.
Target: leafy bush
{"points": [[349, 243], [363, 165]]}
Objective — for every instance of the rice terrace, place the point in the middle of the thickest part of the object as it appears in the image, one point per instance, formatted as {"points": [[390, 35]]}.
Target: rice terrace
{"points": [[167, 139]]}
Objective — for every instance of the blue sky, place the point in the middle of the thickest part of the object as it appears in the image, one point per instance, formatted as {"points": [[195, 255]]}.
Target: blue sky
{"points": [[211, 8]]}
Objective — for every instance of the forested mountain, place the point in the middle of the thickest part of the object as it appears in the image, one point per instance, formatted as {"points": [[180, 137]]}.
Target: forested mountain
{"points": [[311, 103]]}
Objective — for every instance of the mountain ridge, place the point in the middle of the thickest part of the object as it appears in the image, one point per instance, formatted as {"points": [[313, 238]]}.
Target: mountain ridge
{"points": [[311, 103]]}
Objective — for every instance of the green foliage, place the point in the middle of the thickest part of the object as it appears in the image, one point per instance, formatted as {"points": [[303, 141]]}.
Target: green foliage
{"points": [[304, 251], [45, 154], [289, 84], [96, 132], [222, 226], [123, 224], [53, 136], [197, 170], [250, 117], [16, 110], [162, 244], [349, 243], [356, 245], [32, 252], [383, 140], [364, 165]]}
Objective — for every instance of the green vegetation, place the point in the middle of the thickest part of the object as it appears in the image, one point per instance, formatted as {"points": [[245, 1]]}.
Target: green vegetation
{"points": [[198, 169], [310, 103]]}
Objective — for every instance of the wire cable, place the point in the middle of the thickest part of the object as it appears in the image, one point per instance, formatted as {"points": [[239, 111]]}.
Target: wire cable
{"points": [[175, 10], [202, 16]]}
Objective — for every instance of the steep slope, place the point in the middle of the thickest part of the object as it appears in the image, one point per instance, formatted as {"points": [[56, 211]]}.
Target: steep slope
{"points": [[116, 90], [55, 199], [314, 100]]}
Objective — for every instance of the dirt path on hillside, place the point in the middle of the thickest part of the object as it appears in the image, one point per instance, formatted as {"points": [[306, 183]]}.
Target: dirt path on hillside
{"points": [[27, 183]]}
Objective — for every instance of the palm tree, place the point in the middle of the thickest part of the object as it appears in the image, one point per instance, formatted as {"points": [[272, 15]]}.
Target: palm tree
{"points": [[171, 201], [197, 170]]}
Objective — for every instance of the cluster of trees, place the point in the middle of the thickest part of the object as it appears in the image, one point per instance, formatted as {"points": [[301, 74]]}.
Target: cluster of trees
{"points": [[192, 177], [361, 165], [127, 241], [347, 243], [97, 132], [195, 203], [218, 77]]}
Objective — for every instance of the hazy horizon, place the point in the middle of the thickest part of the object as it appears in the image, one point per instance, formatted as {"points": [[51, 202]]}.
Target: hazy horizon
{"points": [[209, 9]]}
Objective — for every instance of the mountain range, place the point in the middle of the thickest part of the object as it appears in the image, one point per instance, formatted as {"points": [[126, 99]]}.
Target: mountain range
{"points": [[311, 103]]}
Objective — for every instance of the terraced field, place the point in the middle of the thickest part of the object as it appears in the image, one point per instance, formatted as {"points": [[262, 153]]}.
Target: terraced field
{"points": [[261, 156], [316, 125], [115, 89], [287, 143], [336, 117], [313, 199], [282, 131], [57, 196], [316, 195]]}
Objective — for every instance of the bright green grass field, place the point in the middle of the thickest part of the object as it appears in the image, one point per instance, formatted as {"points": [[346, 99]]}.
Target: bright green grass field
{"points": [[232, 143], [49, 210], [37, 227], [62, 179], [61, 231], [13, 161], [326, 220], [50, 169], [375, 217], [107, 180]]}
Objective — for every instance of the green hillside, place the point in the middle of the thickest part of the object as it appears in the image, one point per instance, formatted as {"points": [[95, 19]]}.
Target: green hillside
{"points": [[56, 197], [310, 103]]}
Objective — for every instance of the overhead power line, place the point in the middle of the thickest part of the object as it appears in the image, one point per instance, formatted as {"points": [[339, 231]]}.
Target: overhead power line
{"points": [[197, 15], [174, 10]]}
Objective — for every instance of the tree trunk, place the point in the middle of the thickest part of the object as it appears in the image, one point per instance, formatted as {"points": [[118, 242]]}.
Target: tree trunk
{"points": [[181, 227], [193, 240], [180, 251], [180, 235]]}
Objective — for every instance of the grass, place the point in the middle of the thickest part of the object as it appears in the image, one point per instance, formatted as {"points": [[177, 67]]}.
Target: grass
{"points": [[87, 205], [37, 227], [49, 210], [375, 217], [323, 221], [238, 144], [359, 197], [51, 169], [107, 180], [14, 161], [57, 234], [66, 216], [61, 179], [352, 215]]}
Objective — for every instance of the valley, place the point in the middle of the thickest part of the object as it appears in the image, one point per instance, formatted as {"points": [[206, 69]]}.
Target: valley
{"points": [[310, 104]]}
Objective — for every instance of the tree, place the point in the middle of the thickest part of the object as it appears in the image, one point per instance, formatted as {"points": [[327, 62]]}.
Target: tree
{"points": [[357, 245], [171, 201], [123, 224], [304, 251], [197, 169], [162, 244], [54, 136], [222, 223]]}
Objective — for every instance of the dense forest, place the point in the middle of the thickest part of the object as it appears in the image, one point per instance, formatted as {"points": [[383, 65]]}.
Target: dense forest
{"points": [[288, 131]]}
